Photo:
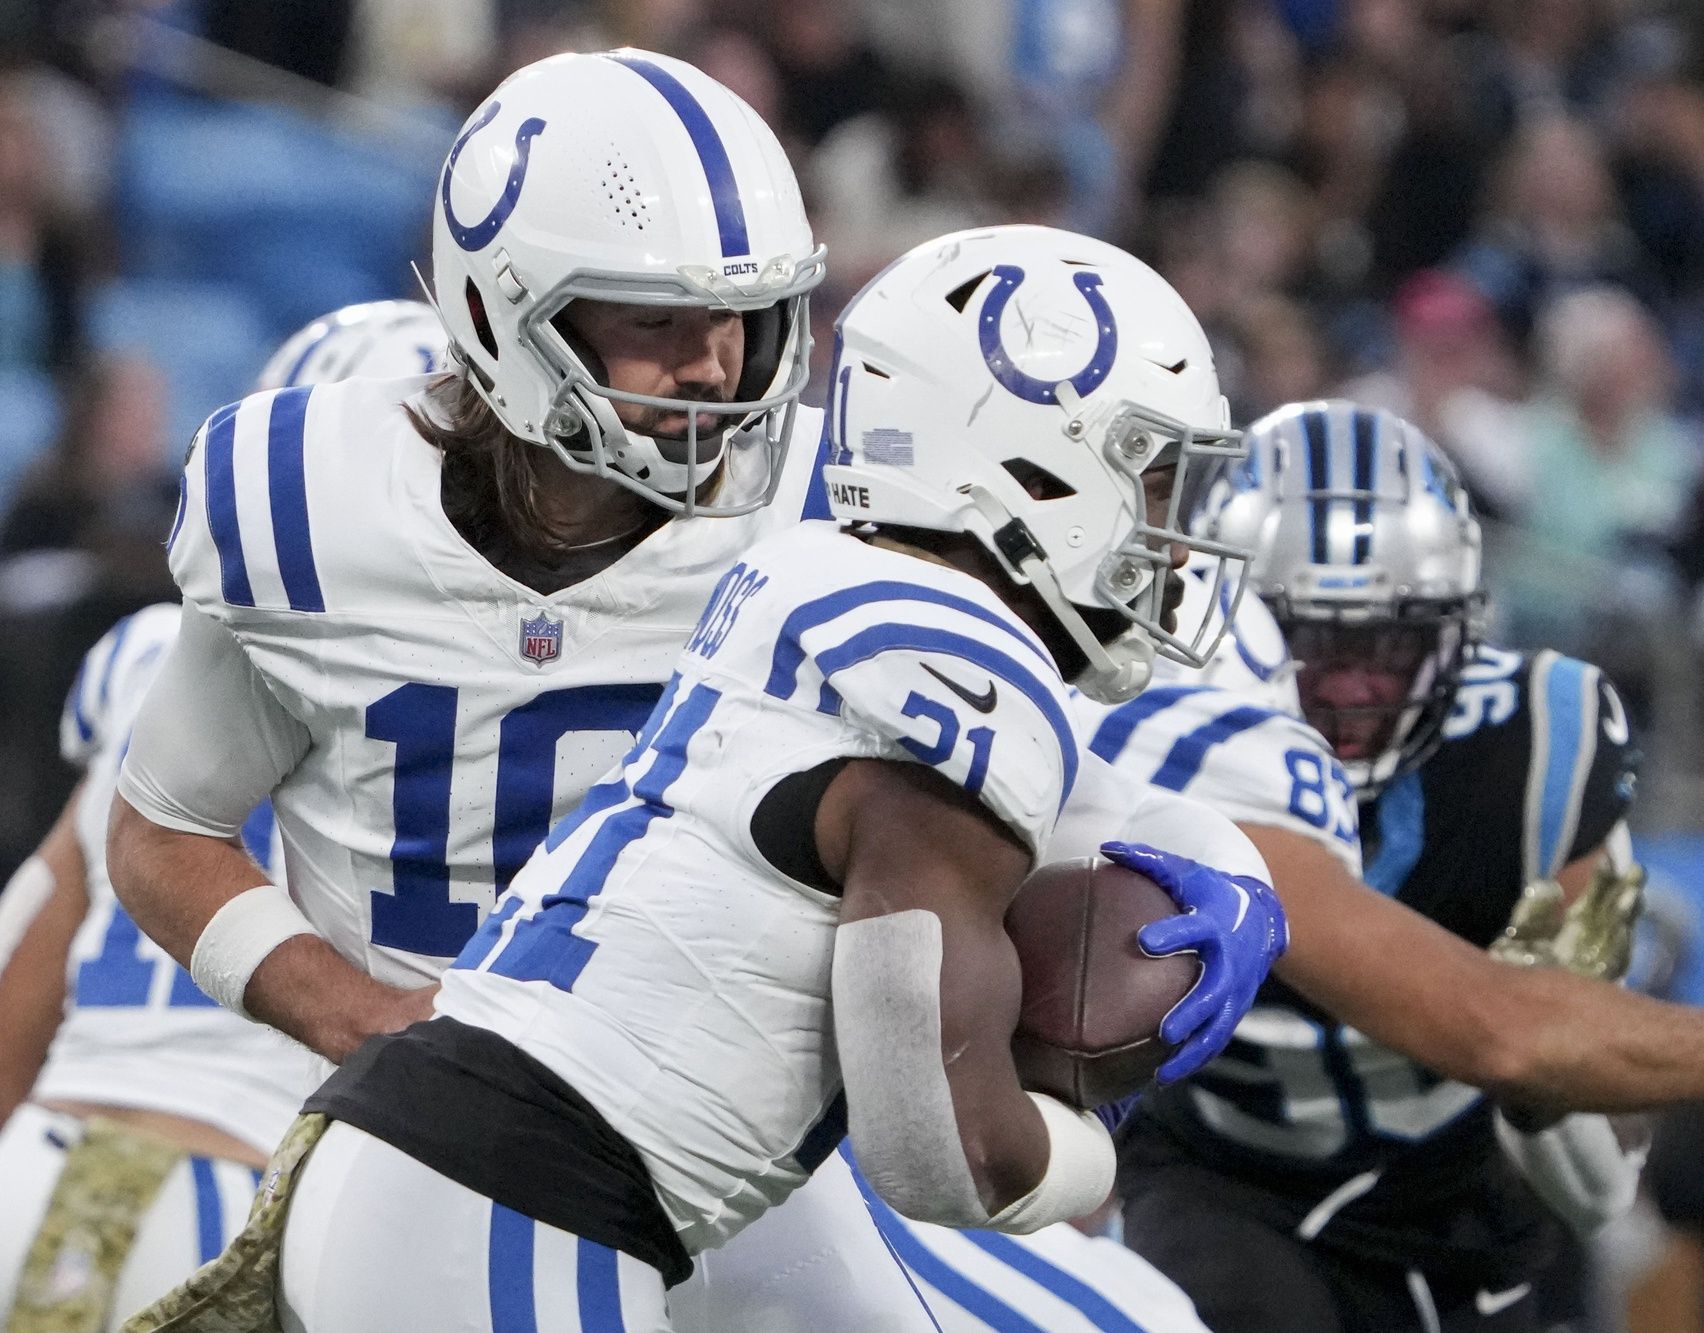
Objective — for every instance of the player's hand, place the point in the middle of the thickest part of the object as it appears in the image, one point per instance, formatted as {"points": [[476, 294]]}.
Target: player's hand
{"points": [[1234, 922]]}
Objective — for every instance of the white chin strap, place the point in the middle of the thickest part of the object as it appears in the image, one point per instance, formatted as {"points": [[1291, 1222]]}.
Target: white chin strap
{"points": [[1116, 672]]}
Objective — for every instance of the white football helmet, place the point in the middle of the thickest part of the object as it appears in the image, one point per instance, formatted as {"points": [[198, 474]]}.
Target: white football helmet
{"points": [[626, 177], [377, 340], [1014, 383], [1367, 552]]}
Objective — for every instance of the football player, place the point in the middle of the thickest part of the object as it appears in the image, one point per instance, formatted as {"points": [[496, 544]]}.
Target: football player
{"points": [[799, 873], [1366, 1187], [430, 612], [128, 1065]]}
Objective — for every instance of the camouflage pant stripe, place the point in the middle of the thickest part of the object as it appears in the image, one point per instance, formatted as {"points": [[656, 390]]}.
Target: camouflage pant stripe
{"points": [[237, 1292], [109, 1182]]}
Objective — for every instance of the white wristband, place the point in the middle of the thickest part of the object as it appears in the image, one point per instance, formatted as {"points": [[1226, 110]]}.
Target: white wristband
{"points": [[238, 939], [1081, 1162]]}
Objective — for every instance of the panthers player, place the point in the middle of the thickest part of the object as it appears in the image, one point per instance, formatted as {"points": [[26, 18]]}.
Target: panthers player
{"points": [[137, 1048], [799, 873], [1371, 1192]]}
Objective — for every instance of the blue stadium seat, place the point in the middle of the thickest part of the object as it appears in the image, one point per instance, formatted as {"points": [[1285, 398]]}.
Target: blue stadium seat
{"points": [[29, 421], [208, 339]]}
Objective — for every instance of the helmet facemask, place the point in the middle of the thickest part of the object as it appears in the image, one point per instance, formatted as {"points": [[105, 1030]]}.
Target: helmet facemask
{"points": [[1133, 579], [1423, 643], [582, 425]]}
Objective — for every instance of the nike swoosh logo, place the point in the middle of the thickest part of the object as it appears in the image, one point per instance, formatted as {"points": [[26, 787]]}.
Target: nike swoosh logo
{"points": [[982, 703], [1490, 1302]]}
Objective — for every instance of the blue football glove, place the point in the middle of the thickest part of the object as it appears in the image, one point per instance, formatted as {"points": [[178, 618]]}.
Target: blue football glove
{"points": [[1235, 923]]}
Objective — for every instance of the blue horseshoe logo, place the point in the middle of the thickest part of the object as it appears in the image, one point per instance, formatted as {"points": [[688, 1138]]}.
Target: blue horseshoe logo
{"points": [[480, 235], [1028, 387]]}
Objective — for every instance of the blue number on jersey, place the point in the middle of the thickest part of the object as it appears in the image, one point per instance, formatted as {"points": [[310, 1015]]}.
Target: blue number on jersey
{"points": [[420, 720], [1321, 795]]}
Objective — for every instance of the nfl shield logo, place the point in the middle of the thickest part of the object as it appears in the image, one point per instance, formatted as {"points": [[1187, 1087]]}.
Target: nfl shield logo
{"points": [[541, 639]]}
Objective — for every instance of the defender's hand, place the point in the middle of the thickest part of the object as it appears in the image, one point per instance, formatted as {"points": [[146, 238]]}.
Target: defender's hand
{"points": [[1234, 922]]}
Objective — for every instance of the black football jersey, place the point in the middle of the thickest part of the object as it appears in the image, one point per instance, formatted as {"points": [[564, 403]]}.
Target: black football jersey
{"points": [[1355, 1145]]}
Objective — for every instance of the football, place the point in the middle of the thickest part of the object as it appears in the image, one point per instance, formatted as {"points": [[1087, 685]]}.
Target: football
{"points": [[1089, 1029]]}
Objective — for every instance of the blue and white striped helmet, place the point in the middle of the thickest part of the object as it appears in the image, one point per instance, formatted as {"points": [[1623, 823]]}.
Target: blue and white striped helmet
{"points": [[1369, 556], [373, 340], [626, 177]]}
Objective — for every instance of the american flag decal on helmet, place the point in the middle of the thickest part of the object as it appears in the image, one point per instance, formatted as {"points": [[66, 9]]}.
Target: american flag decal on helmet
{"points": [[541, 639]]}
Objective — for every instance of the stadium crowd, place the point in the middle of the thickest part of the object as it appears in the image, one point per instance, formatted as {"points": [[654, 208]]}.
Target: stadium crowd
{"points": [[1485, 215]]}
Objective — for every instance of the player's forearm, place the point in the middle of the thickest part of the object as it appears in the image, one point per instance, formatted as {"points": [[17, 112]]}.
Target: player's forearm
{"points": [[306, 989], [1575, 1044], [174, 883], [40, 911]]}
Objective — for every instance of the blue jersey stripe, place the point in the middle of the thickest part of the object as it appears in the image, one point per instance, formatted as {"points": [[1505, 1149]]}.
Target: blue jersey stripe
{"points": [[220, 448], [288, 490], [889, 638], [1102, 1313], [546, 947], [931, 1268], [257, 834], [1366, 463], [1564, 698], [1314, 429], [1116, 728], [712, 153], [509, 1272], [119, 633], [1401, 820], [85, 728], [294, 378], [209, 1209], [1189, 752], [597, 1284], [790, 654], [177, 518]]}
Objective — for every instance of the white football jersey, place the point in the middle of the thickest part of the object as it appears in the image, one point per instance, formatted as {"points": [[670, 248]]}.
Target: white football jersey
{"points": [[1251, 763], [452, 713], [652, 958], [138, 1032]]}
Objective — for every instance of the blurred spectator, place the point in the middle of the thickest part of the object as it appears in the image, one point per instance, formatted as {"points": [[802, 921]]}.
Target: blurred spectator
{"points": [[1553, 225], [829, 73], [1270, 353], [1455, 377], [409, 53], [309, 38], [885, 181], [1611, 467], [102, 488], [40, 267]]}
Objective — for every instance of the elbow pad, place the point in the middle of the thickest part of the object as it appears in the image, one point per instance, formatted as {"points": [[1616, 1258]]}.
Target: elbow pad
{"points": [[1578, 1167]]}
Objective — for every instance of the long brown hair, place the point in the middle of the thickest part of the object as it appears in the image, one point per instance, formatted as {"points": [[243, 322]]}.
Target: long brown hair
{"points": [[491, 488]]}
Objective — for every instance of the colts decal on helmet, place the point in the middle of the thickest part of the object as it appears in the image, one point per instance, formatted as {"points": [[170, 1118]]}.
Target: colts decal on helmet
{"points": [[1028, 387], [482, 233]]}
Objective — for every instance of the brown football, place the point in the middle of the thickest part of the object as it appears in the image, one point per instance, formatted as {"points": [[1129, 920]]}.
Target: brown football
{"points": [[1089, 1032]]}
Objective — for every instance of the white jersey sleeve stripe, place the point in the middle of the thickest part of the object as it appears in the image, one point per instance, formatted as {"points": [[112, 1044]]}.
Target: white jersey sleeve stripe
{"points": [[221, 482], [1116, 728], [790, 653], [922, 638]]}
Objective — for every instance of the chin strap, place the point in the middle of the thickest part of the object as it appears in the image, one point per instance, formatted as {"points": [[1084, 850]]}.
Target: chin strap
{"points": [[1116, 672]]}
